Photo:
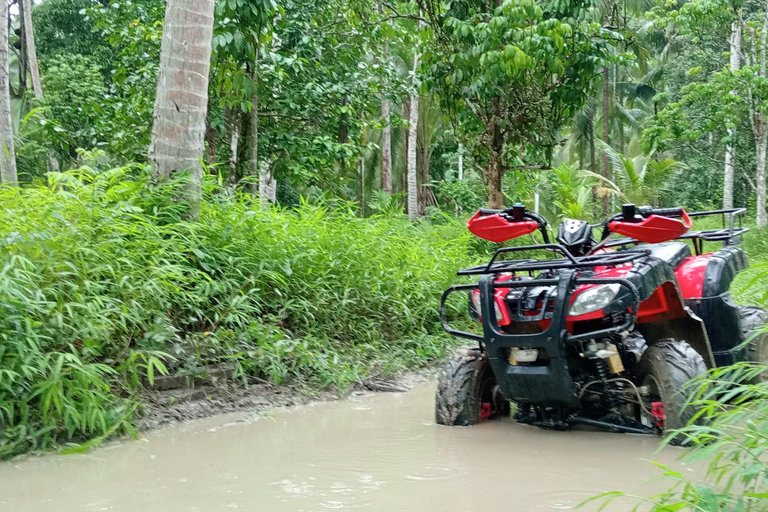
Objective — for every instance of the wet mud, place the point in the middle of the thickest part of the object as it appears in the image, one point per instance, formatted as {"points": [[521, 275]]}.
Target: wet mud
{"points": [[377, 452]]}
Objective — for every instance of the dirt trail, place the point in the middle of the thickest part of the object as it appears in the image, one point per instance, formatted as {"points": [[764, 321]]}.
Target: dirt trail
{"points": [[379, 452]]}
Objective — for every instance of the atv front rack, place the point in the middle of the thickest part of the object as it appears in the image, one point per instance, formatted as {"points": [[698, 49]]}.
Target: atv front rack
{"points": [[565, 286], [568, 261], [552, 382]]}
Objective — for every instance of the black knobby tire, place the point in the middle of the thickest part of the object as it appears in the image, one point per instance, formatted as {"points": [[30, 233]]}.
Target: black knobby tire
{"points": [[465, 383], [752, 319], [666, 367]]}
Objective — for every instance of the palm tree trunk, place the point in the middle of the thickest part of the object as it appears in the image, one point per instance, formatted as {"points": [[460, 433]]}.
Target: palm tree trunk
{"points": [[29, 50], [267, 185], [235, 128], [386, 146], [386, 132], [210, 139], [411, 175], [730, 150], [254, 174], [23, 67], [761, 144], [178, 131], [7, 151], [605, 171], [29, 43]]}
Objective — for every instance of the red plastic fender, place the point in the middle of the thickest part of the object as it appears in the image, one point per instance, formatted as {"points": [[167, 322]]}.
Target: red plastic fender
{"points": [[654, 229], [690, 275], [495, 229]]}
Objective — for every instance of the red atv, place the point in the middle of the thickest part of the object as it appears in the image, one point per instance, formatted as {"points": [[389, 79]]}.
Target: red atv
{"points": [[604, 332]]}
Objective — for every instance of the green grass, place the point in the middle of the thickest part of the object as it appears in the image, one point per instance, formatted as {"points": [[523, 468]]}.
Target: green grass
{"points": [[103, 286]]}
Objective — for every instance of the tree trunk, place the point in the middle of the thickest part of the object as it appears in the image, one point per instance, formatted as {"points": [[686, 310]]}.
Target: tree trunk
{"points": [[461, 162], [29, 58], [343, 132], [7, 152], [730, 150], [178, 131], [411, 178], [386, 147], [592, 152], [386, 132], [267, 185], [210, 140], [253, 187], [29, 43], [23, 66], [235, 128], [495, 175], [605, 171], [761, 144]]}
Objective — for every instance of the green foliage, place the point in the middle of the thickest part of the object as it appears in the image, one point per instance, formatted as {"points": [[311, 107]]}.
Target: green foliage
{"points": [[62, 28], [732, 440], [528, 66], [133, 30], [75, 92], [103, 286], [566, 192]]}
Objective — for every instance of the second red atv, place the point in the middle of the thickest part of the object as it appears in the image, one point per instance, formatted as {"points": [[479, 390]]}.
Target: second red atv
{"points": [[608, 332]]}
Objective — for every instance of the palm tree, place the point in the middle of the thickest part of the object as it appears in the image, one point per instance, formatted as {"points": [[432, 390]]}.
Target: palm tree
{"points": [[181, 105], [567, 192], [643, 177], [7, 151]]}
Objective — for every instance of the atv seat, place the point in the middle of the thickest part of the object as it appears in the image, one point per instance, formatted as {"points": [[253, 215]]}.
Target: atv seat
{"points": [[671, 252]]}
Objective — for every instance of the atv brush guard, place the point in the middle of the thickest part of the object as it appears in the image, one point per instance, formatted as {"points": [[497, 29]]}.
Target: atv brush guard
{"points": [[600, 331]]}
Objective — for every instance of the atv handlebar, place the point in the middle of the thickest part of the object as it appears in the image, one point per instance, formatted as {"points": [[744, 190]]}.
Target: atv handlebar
{"points": [[519, 213], [630, 212], [663, 212]]}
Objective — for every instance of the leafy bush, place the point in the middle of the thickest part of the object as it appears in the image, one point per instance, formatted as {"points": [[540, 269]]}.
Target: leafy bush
{"points": [[733, 439], [102, 286]]}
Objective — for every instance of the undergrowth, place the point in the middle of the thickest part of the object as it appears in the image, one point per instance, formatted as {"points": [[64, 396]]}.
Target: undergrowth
{"points": [[103, 285]]}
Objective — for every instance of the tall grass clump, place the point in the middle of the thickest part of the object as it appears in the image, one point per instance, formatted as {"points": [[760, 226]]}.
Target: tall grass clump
{"points": [[727, 440], [103, 285]]}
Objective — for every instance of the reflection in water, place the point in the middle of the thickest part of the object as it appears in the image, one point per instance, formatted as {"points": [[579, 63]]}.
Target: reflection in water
{"points": [[375, 453]]}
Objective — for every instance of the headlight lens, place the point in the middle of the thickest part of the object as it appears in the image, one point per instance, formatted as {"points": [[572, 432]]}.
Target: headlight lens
{"points": [[476, 303], [594, 299]]}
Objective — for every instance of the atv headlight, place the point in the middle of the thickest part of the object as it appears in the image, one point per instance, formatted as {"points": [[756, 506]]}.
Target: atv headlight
{"points": [[476, 303], [594, 299]]}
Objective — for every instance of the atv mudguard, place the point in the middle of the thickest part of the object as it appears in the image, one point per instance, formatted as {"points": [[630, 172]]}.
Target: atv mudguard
{"points": [[717, 308], [682, 323]]}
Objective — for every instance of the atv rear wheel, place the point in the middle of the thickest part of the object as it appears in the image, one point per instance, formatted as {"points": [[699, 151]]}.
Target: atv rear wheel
{"points": [[665, 368], [752, 318], [467, 392]]}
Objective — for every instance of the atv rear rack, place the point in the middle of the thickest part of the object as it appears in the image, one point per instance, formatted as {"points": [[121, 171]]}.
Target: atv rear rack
{"points": [[568, 261]]}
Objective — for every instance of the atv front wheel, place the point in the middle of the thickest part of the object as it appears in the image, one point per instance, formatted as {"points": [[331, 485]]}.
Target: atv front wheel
{"points": [[752, 320], [665, 368], [467, 392]]}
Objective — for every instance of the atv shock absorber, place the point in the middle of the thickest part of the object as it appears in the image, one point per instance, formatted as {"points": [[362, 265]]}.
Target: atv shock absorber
{"points": [[610, 400]]}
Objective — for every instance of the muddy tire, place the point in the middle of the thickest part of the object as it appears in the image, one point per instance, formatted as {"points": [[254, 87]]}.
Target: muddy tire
{"points": [[753, 318], [666, 367], [467, 391]]}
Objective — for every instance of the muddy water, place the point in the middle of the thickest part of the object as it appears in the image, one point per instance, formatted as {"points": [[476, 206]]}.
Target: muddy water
{"points": [[374, 453]]}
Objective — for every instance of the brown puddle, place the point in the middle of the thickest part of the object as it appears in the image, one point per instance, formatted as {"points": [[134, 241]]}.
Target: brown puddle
{"points": [[377, 453]]}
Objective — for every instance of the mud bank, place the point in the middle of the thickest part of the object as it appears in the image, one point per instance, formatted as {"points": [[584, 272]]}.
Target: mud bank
{"points": [[171, 403]]}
